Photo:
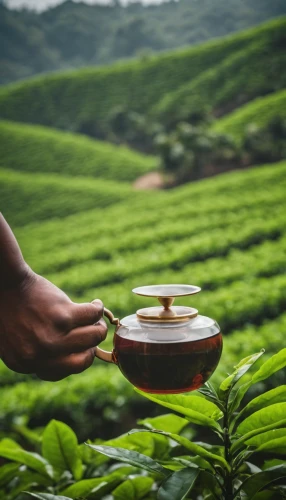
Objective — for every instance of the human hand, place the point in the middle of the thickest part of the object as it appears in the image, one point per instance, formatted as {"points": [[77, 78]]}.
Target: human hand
{"points": [[43, 332]]}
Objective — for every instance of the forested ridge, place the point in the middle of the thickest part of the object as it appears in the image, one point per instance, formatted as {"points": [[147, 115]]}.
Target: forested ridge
{"points": [[77, 34]]}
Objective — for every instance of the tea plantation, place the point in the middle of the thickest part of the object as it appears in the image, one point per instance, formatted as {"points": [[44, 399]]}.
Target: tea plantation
{"points": [[81, 223], [226, 235], [81, 100]]}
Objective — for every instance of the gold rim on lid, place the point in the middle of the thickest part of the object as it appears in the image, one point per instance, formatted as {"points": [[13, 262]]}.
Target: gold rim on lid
{"points": [[166, 295]]}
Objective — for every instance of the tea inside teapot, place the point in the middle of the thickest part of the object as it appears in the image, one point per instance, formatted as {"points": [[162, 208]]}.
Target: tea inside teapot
{"points": [[167, 349]]}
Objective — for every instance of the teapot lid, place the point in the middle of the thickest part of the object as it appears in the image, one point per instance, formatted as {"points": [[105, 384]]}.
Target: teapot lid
{"points": [[166, 295]]}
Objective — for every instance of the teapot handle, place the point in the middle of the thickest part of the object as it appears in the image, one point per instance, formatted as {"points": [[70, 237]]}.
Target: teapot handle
{"points": [[101, 353]]}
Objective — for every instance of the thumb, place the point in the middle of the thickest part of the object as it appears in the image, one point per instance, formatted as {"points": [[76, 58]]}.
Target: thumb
{"points": [[88, 313]]}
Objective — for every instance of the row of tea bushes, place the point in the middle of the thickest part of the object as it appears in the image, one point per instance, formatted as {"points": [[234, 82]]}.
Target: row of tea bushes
{"points": [[78, 279], [81, 100], [132, 225], [37, 197], [28, 148], [257, 70], [101, 402], [147, 232], [259, 112]]}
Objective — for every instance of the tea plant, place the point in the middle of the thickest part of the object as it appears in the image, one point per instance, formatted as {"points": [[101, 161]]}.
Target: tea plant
{"points": [[243, 458], [233, 466]]}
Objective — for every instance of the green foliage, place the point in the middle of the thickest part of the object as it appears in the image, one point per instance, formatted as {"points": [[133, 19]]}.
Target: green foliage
{"points": [[239, 78], [82, 100], [229, 474], [38, 150], [232, 242], [28, 197], [72, 35], [260, 111]]}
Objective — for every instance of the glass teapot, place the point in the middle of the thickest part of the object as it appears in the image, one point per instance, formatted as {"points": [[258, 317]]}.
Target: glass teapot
{"points": [[165, 349]]}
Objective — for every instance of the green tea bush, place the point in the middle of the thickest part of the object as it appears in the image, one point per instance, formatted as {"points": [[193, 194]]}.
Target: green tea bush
{"points": [[239, 453], [81, 100], [27, 197], [239, 78], [260, 112], [38, 149]]}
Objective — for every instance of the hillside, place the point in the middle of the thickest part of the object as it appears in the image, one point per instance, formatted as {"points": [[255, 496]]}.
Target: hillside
{"points": [[34, 197], [225, 234], [40, 149], [82, 100], [240, 77], [259, 112], [77, 34]]}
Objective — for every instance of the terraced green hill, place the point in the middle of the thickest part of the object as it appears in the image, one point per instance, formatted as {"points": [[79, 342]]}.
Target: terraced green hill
{"points": [[243, 75], [259, 112], [81, 100], [28, 197], [28, 148]]}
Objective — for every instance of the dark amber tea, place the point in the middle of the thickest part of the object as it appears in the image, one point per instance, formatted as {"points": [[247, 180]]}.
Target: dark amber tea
{"points": [[171, 367]]}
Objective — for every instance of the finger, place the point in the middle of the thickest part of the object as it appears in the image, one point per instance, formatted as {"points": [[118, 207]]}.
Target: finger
{"points": [[61, 367], [86, 314], [84, 337]]}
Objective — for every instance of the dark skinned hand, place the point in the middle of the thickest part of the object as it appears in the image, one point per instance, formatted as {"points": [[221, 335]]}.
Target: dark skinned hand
{"points": [[41, 330]]}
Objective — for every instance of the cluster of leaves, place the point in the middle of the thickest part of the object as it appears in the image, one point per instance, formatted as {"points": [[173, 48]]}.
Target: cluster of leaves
{"points": [[234, 465], [243, 458]]}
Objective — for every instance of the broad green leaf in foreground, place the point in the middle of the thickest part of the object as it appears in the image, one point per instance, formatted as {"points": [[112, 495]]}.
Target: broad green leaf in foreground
{"points": [[60, 448], [195, 449], [197, 409], [256, 432], [263, 418], [133, 489], [31, 460], [170, 423], [277, 395], [272, 365], [131, 457], [266, 437], [178, 485], [86, 486], [261, 480], [277, 446], [239, 371]]}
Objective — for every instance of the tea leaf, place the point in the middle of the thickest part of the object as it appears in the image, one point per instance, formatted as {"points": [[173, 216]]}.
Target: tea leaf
{"points": [[276, 425], [133, 489], [265, 437], [86, 486], [131, 457], [8, 472], [194, 462], [169, 423], [31, 460], [46, 496], [277, 395], [261, 480], [262, 418], [239, 371], [60, 448], [272, 365], [277, 446], [198, 410], [194, 448], [178, 485]]}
